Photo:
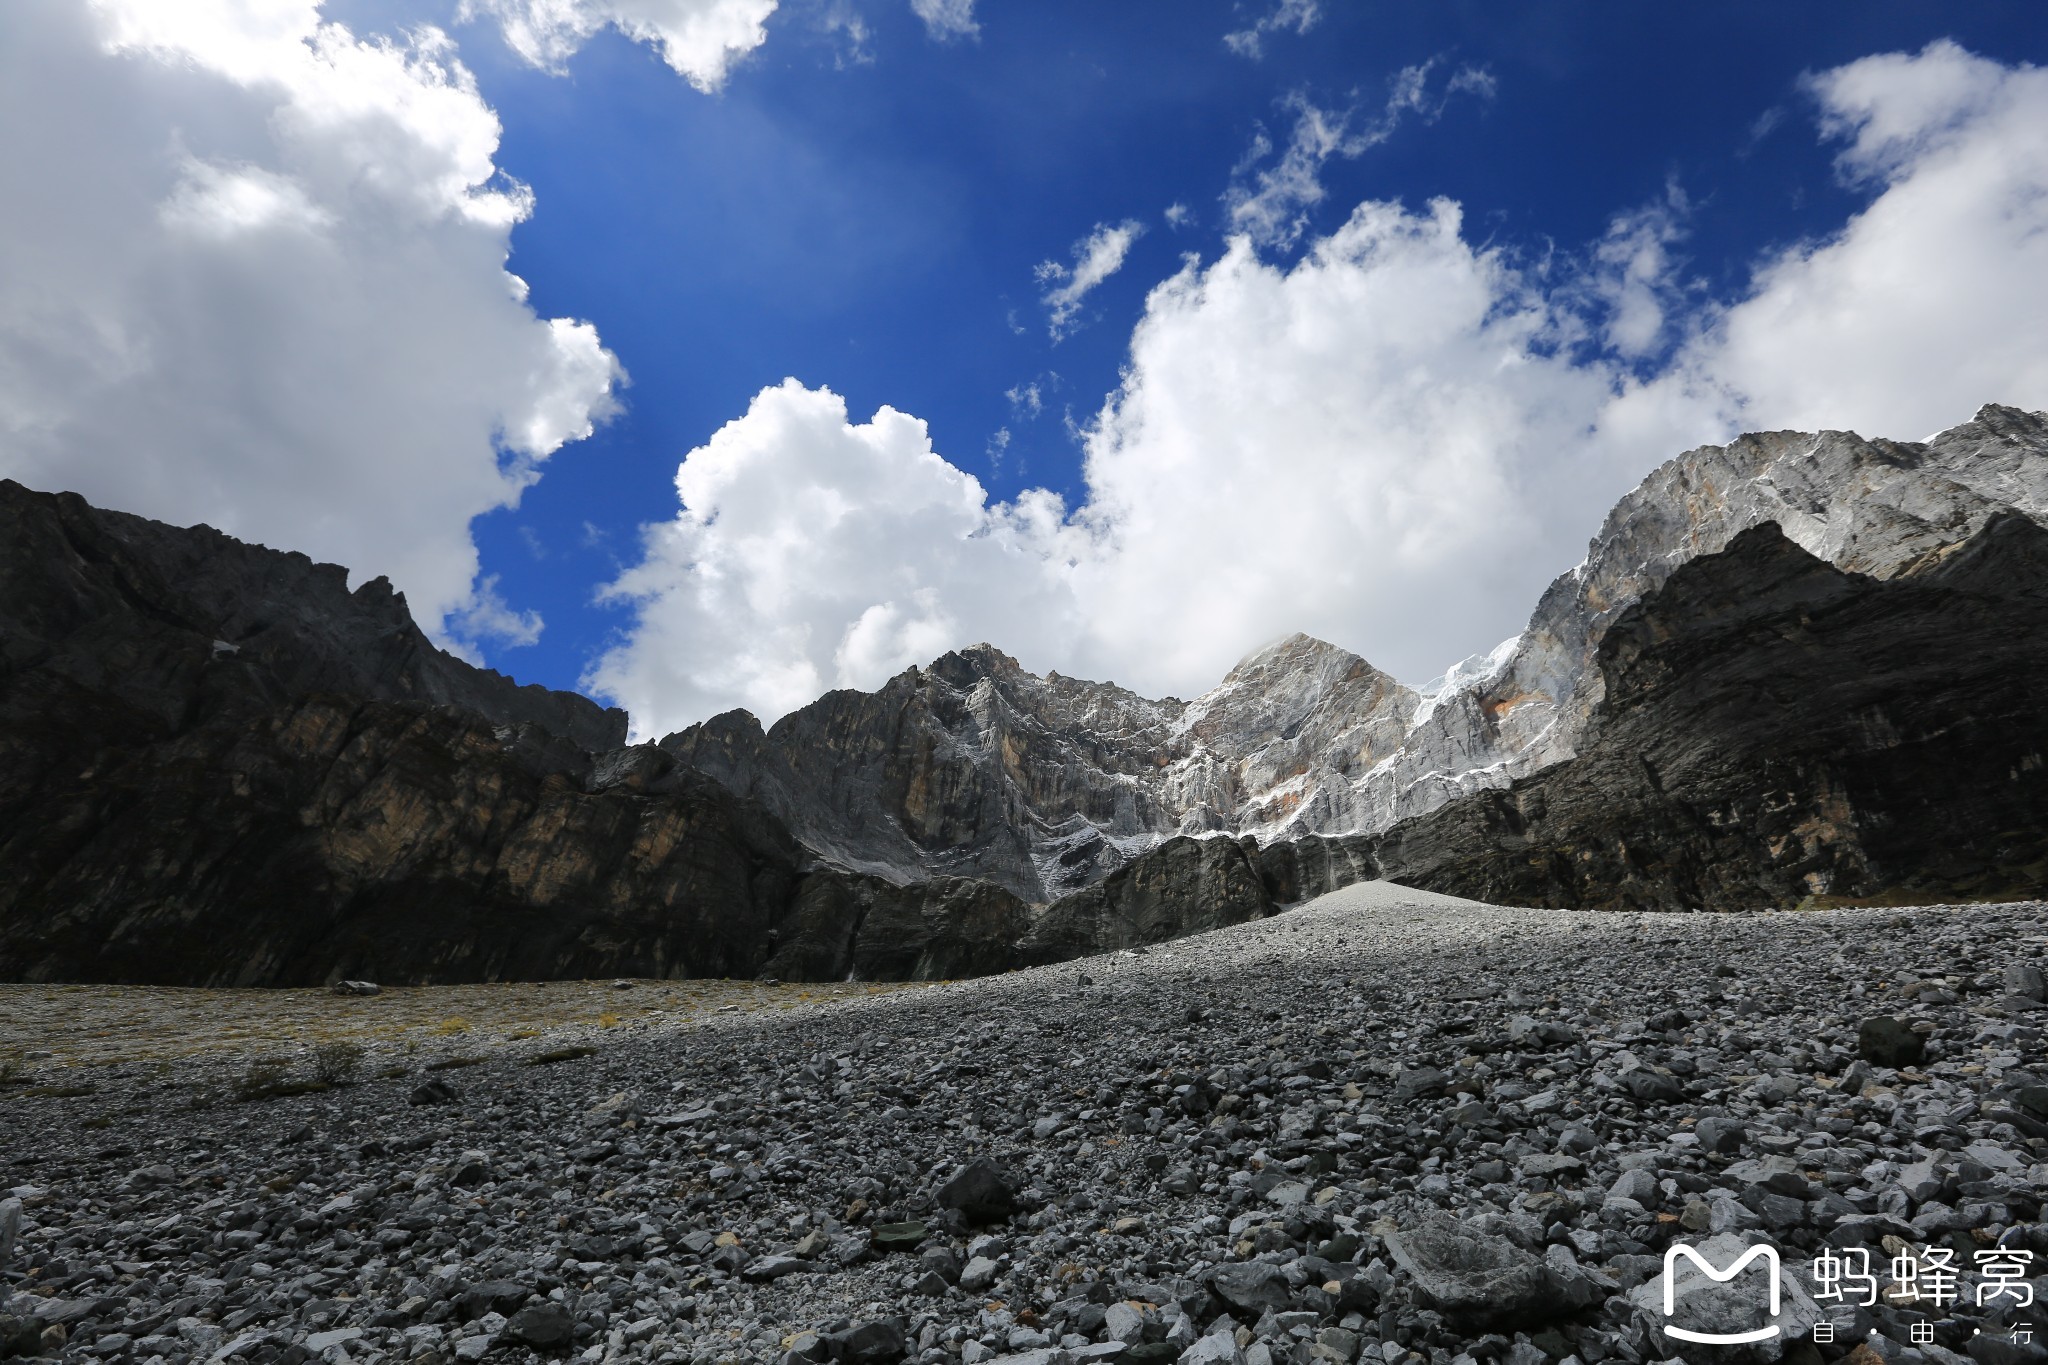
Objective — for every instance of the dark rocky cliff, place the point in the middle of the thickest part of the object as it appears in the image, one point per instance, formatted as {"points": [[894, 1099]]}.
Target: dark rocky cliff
{"points": [[220, 767], [164, 619], [217, 766], [1776, 728]]}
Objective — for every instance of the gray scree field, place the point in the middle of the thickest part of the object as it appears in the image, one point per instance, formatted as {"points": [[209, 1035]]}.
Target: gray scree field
{"points": [[1385, 1127]]}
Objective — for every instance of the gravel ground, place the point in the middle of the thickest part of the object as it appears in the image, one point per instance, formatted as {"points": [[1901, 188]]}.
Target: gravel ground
{"points": [[1384, 1127]]}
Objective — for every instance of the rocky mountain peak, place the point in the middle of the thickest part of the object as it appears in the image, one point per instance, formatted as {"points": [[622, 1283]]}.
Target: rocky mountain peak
{"points": [[977, 767], [1288, 680], [964, 668]]}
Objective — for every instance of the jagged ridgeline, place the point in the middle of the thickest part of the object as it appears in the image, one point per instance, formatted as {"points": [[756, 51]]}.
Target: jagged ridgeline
{"points": [[1796, 666]]}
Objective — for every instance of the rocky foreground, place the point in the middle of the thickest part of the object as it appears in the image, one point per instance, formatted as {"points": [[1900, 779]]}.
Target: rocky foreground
{"points": [[1385, 1127]]}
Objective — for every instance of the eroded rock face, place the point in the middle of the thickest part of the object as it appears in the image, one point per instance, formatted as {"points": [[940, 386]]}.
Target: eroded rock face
{"points": [[866, 928], [971, 767], [1775, 728], [1045, 785], [384, 840], [1874, 507], [1183, 887]]}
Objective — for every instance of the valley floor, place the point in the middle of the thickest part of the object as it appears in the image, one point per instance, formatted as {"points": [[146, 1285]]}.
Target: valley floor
{"points": [[1383, 1127]]}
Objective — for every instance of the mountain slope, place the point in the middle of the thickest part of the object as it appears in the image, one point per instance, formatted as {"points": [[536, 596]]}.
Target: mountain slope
{"points": [[974, 767], [1871, 506], [1775, 728], [1774, 731], [218, 766]]}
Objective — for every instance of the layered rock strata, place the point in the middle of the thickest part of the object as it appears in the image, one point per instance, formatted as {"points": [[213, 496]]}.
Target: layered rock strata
{"points": [[218, 765]]}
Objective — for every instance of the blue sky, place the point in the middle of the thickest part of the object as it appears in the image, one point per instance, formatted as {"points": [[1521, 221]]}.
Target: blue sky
{"points": [[864, 202]]}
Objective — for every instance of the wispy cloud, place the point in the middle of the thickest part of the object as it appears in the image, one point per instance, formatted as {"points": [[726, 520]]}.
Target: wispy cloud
{"points": [[1298, 15], [1026, 400], [1272, 206], [1096, 257], [487, 616], [849, 34], [946, 20]]}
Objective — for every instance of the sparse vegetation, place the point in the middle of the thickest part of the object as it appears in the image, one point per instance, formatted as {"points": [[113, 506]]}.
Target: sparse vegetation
{"points": [[51, 1035], [262, 1077], [338, 1062], [270, 1078]]}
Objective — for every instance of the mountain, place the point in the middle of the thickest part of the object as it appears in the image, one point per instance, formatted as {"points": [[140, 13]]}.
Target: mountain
{"points": [[973, 767], [1773, 730], [1876, 507], [220, 766], [1793, 667], [1776, 730]]}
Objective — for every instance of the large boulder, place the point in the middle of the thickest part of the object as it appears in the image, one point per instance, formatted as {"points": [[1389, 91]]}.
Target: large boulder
{"points": [[876, 1342], [981, 1190], [545, 1326], [1473, 1278], [1251, 1287], [1887, 1041]]}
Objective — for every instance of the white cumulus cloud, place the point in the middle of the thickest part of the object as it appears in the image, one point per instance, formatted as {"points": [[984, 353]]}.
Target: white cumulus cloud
{"points": [[252, 273], [1928, 302], [813, 552], [1368, 447], [1393, 443], [699, 39], [946, 20], [1096, 257]]}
